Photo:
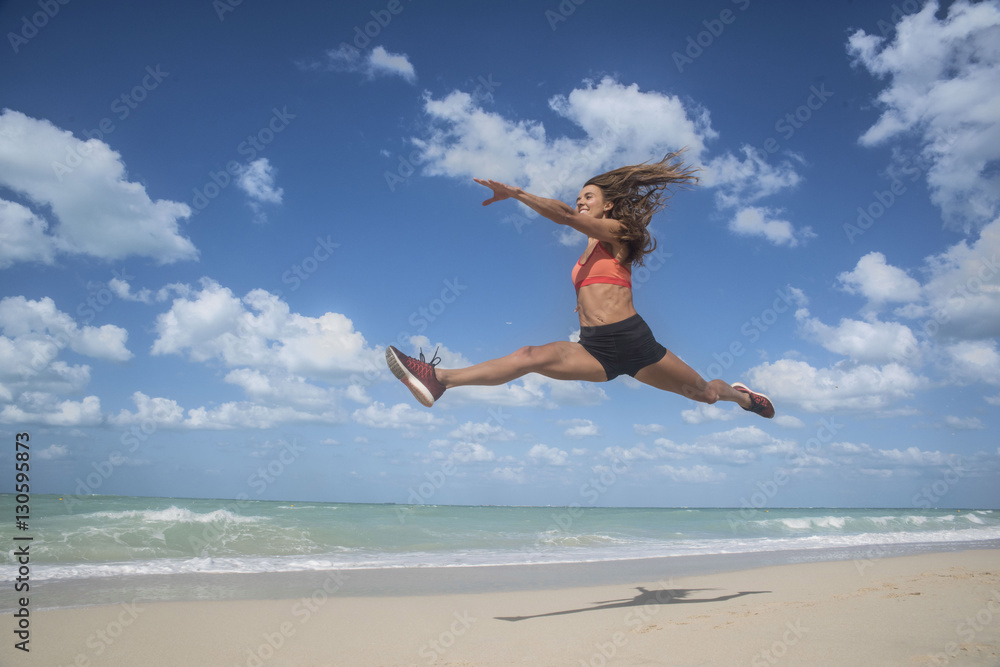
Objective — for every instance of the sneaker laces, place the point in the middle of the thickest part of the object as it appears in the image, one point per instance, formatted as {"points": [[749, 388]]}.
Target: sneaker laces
{"points": [[435, 359]]}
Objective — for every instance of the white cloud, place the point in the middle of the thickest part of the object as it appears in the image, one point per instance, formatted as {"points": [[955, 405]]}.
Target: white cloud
{"points": [[757, 221], [400, 415], [532, 390], [844, 386], [963, 291], [713, 452], [912, 456], [648, 429], [865, 342], [167, 413], [259, 331], [879, 282], [377, 62], [973, 361], [98, 212], [548, 455], [481, 431], [257, 180], [511, 474], [157, 411], [123, 291], [696, 474], [27, 323], [621, 125], [244, 414], [23, 237], [740, 182], [964, 423], [580, 428], [944, 87], [41, 408], [52, 452], [382, 62]]}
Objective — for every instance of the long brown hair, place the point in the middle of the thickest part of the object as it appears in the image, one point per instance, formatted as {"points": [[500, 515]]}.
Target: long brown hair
{"points": [[637, 192]]}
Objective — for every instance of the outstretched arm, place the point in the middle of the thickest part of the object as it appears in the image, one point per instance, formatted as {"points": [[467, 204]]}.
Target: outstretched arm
{"points": [[558, 212]]}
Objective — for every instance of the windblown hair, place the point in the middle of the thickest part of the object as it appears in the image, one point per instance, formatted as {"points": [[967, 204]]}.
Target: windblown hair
{"points": [[637, 192]]}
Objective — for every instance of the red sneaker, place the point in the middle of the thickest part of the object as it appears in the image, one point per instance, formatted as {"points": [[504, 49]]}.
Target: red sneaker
{"points": [[416, 374], [759, 403]]}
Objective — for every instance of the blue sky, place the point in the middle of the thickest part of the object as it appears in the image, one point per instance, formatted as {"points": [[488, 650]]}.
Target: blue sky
{"points": [[216, 215]]}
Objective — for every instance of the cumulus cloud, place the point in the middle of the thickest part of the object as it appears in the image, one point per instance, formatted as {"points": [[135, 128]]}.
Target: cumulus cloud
{"points": [[863, 341], [24, 236], [879, 282], [157, 411], [762, 222], [973, 361], [843, 386], [257, 181], [706, 450], [696, 474], [33, 334], [963, 288], [258, 414], [703, 412], [964, 423], [401, 415], [260, 331], [512, 474], [377, 62], [95, 210], [552, 456], [621, 125], [580, 428], [944, 88], [52, 452], [47, 409], [739, 182]]}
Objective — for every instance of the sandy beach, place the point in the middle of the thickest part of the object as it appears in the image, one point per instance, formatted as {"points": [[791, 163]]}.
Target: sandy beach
{"points": [[929, 609]]}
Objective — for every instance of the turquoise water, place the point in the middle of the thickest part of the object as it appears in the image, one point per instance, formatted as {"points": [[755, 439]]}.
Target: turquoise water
{"points": [[107, 536]]}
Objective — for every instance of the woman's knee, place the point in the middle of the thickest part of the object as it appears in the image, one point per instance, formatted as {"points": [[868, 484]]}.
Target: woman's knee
{"points": [[532, 358], [527, 358], [705, 393]]}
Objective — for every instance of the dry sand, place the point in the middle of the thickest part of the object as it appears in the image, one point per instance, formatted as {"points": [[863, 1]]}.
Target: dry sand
{"points": [[930, 609]]}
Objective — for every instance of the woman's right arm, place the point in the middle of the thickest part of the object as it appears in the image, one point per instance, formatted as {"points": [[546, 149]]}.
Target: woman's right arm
{"points": [[603, 229]]}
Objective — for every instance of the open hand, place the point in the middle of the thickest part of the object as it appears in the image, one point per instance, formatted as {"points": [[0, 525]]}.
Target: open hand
{"points": [[501, 191]]}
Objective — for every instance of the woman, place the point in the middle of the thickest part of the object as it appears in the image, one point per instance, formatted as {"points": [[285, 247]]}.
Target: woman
{"points": [[613, 210]]}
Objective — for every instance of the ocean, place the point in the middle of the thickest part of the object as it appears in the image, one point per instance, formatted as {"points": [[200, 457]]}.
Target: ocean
{"points": [[105, 540]]}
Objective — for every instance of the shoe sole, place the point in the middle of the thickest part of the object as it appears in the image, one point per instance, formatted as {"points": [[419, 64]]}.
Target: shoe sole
{"points": [[740, 385], [415, 386]]}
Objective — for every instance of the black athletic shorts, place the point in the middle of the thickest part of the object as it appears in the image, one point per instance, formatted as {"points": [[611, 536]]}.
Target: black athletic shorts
{"points": [[623, 348]]}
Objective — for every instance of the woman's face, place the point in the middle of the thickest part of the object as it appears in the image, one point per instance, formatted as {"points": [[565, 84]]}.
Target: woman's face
{"points": [[591, 202]]}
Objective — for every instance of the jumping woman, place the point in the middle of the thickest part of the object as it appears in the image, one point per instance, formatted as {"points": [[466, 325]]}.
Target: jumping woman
{"points": [[613, 210]]}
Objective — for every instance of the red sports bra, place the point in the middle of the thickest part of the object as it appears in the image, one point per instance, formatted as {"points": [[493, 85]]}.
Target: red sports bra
{"points": [[601, 269]]}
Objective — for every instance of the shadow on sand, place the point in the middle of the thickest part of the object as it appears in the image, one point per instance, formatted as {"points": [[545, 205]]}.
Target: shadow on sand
{"points": [[644, 598]]}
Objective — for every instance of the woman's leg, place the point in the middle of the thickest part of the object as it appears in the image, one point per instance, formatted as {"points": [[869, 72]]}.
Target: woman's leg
{"points": [[672, 374], [560, 360]]}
